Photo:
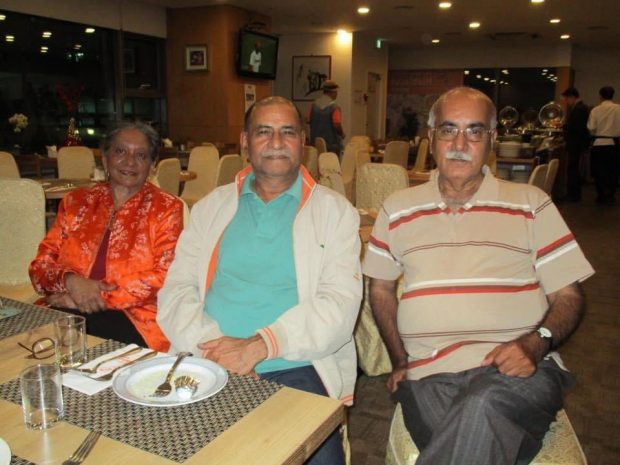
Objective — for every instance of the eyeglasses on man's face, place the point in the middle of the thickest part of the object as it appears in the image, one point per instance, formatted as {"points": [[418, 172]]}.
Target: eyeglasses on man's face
{"points": [[41, 348], [449, 132]]}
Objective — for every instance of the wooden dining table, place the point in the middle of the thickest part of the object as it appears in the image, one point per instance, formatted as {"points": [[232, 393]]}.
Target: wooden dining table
{"points": [[57, 188], [266, 424]]}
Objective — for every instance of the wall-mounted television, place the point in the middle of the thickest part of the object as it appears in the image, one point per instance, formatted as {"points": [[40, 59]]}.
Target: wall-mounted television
{"points": [[257, 55]]}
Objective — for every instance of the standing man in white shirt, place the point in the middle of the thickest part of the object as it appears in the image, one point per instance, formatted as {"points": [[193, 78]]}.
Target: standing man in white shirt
{"points": [[604, 126], [256, 58]]}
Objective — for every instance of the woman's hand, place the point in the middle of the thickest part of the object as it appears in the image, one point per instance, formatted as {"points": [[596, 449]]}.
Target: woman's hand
{"points": [[63, 300], [86, 293]]}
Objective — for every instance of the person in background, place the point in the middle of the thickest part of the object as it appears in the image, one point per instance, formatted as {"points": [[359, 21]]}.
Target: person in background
{"points": [[577, 139], [325, 118], [256, 58], [266, 279], [491, 289], [604, 126], [108, 251]]}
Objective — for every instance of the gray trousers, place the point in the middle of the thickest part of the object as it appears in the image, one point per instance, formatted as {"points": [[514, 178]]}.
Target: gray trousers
{"points": [[480, 416]]}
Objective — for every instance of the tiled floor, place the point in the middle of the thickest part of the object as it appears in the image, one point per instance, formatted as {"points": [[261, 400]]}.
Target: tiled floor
{"points": [[592, 354]]}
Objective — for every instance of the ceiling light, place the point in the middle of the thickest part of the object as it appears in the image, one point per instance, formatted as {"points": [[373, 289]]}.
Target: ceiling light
{"points": [[474, 25], [43, 47], [565, 36], [46, 34], [344, 37], [2, 17], [554, 20], [445, 5], [435, 41], [493, 81], [363, 10], [478, 76], [537, 1], [486, 78], [545, 70], [89, 30], [9, 38], [505, 71], [77, 46], [466, 71]]}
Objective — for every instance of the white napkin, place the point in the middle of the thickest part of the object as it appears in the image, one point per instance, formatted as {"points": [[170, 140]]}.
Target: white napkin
{"points": [[84, 383]]}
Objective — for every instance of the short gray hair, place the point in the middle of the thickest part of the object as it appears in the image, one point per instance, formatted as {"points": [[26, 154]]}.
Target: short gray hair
{"points": [[152, 137], [432, 115], [273, 100]]}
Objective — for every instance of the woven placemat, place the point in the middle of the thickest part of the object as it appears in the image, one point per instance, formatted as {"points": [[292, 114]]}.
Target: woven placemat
{"points": [[15, 460], [175, 433], [31, 317]]}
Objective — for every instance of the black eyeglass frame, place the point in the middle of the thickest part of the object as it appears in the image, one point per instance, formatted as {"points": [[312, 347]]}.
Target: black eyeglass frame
{"points": [[37, 354]]}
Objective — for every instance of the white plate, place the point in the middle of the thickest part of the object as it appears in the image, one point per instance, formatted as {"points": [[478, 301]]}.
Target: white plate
{"points": [[136, 383], [5, 453]]}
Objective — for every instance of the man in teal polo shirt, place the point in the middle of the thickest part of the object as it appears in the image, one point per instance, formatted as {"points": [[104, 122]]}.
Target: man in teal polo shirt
{"points": [[266, 278]]}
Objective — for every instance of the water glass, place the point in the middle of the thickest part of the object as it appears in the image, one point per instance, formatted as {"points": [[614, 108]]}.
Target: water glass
{"points": [[41, 389], [70, 334]]}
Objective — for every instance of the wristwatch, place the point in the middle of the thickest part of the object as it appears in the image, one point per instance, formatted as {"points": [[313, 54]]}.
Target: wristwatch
{"points": [[545, 334]]}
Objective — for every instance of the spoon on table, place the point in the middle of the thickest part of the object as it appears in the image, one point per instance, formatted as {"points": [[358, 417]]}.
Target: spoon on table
{"points": [[165, 388]]}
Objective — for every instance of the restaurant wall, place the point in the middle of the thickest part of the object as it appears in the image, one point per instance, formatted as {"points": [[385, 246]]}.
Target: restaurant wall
{"points": [[439, 57], [208, 106], [126, 15], [317, 44], [595, 68], [368, 59]]}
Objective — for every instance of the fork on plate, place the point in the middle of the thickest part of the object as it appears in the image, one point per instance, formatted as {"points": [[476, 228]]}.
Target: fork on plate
{"points": [[83, 450]]}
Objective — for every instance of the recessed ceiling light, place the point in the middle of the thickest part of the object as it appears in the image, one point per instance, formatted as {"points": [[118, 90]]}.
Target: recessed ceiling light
{"points": [[493, 81], [89, 30], [466, 71], [505, 71], [435, 41], [77, 46], [486, 78], [2, 17], [478, 76], [445, 5], [363, 10], [554, 20], [565, 36], [474, 25], [9, 38], [537, 1], [46, 34]]}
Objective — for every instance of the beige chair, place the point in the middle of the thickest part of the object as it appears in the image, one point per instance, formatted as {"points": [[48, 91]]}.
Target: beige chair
{"points": [[167, 175], [8, 166], [227, 169], [76, 162], [560, 444], [397, 153], [203, 160], [311, 160], [492, 161], [421, 156], [362, 142], [552, 172], [361, 158], [376, 181], [347, 166], [22, 228], [320, 145], [537, 178], [330, 174]]}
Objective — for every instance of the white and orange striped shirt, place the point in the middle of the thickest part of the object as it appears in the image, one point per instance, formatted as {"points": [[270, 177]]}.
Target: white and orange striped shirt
{"points": [[473, 278]]}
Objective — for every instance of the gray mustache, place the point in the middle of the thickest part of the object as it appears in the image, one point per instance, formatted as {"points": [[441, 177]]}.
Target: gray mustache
{"points": [[458, 155], [275, 153]]}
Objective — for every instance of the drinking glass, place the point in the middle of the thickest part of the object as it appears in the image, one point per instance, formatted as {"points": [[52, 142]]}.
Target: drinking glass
{"points": [[41, 389], [70, 334]]}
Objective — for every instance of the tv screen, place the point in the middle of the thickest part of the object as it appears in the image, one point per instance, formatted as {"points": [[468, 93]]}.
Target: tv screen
{"points": [[258, 55]]}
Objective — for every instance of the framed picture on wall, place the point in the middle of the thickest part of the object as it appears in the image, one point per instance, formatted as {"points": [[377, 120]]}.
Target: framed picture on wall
{"points": [[309, 73], [196, 58]]}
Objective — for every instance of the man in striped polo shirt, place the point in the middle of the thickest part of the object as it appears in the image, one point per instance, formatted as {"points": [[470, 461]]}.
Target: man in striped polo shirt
{"points": [[492, 278]]}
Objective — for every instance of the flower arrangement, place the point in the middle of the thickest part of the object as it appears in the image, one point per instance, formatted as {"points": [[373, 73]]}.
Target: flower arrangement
{"points": [[70, 96], [19, 122]]}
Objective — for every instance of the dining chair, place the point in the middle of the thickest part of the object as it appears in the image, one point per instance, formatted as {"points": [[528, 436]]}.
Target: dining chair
{"points": [[421, 156], [362, 142], [376, 181], [348, 164], [397, 153], [560, 444], [8, 166], [167, 175], [537, 178], [22, 228], [311, 161], [227, 169], [320, 145], [330, 174], [552, 172], [203, 161], [361, 158], [75, 162]]}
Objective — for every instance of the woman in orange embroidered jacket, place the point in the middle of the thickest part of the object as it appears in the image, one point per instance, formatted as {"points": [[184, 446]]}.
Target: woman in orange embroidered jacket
{"points": [[107, 254]]}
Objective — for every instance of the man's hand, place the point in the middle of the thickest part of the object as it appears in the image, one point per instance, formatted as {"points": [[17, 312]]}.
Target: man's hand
{"points": [[237, 355], [86, 293], [519, 357], [63, 300], [398, 374]]}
